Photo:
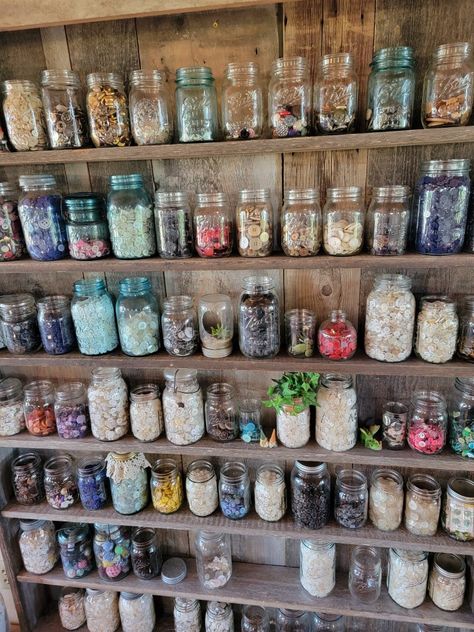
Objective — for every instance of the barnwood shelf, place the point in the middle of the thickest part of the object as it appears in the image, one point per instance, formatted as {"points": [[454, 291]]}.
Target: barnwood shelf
{"points": [[52, 623]]}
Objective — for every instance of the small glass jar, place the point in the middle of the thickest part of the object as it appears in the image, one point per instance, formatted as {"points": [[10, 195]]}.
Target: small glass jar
{"points": [[407, 577], [390, 318], [335, 94], [136, 612], [201, 488], [310, 494], [12, 243], [365, 574], [221, 412], [71, 608], [343, 221], [394, 425], [254, 222], [24, 115], [102, 611], [336, 413], [183, 408], [75, 546], [447, 581], [12, 419], [213, 559], [337, 337], [250, 419], [27, 479], [38, 547], [148, 100], [71, 411], [386, 499], [63, 102], [292, 621], [216, 325], [259, 318], [270, 492], [293, 425], [300, 325], [289, 98], [301, 223], [174, 225], [180, 336], [436, 329], [461, 417], [458, 510], [19, 324], [323, 622], [187, 615], [166, 486], [234, 490], [146, 553], [391, 89], [86, 226], [55, 324], [212, 225], [107, 110], [128, 481], [60, 482], [91, 481], [38, 407], [112, 551], [465, 348], [138, 320], [107, 395], [146, 414], [428, 422], [242, 102], [317, 567], [422, 505], [93, 313], [255, 619], [196, 105], [388, 218], [351, 499], [39, 208], [219, 617], [448, 88]]}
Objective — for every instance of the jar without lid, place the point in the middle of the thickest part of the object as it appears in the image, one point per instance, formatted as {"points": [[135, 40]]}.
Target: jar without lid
{"points": [[310, 494], [187, 615], [293, 425], [102, 611], [337, 337], [221, 412], [180, 336], [323, 622], [351, 499], [138, 320], [343, 221], [149, 103], [75, 545], [219, 617], [27, 478], [365, 574], [394, 425], [270, 492], [292, 621], [461, 417], [107, 110], [196, 105], [212, 225], [72, 411], [60, 482], [422, 505], [234, 490], [183, 406], [19, 324], [128, 481], [136, 612], [465, 348], [428, 422], [38, 546], [336, 413], [166, 486], [107, 395], [300, 325], [112, 551], [317, 567], [55, 324], [289, 98], [386, 499], [213, 559], [86, 226], [254, 222], [64, 108], [388, 218], [216, 325], [301, 223], [458, 510], [255, 619], [447, 582], [12, 419], [250, 419], [259, 318], [92, 312], [12, 243], [407, 577], [174, 225], [38, 407], [91, 480], [201, 488], [24, 115], [146, 553], [242, 102], [146, 414], [335, 94], [436, 329], [71, 608]]}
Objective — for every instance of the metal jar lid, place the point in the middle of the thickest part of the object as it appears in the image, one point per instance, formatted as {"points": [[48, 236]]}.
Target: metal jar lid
{"points": [[174, 570]]}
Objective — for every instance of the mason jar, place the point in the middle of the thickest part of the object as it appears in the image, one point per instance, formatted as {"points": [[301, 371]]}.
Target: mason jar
{"points": [[407, 577], [138, 319], [183, 408], [150, 116], [112, 551], [174, 225], [12, 243], [196, 105], [221, 412], [242, 102], [436, 329], [201, 488], [216, 325], [336, 413], [86, 226], [292, 621], [324, 622], [146, 553], [469, 238], [219, 617], [18, 322], [187, 615], [461, 417], [447, 581], [310, 494], [300, 327], [465, 348], [365, 574], [24, 115], [458, 511], [107, 395], [178, 321], [38, 547], [394, 425], [71, 608], [91, 481], [388, 219], [351, 499], [301, 223], [93, 314], [63, 102], [427, 423], [259, 318], [38, 408], [75, 548], [386, 499], [71, 410], [343, 221], [422, 505], [270, 492], [136, 612], [213, 559], [212, 225], [55, 324], [335, 94], [255, 619], [12, 419], [60, 482], [166, 486], [102, 611], [289, 98], [250, 419], [107, 110], [293, 424], [337, 337], [128, 480], [317, 567], [234, 490], [27, 478], [254, 219], [146, 414]]}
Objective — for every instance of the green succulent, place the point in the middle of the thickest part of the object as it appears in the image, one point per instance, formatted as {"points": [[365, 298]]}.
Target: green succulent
{"points": [[219, 331], [293, 387]]}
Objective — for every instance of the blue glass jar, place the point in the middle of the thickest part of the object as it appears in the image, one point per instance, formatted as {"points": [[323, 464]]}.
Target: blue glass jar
{"points": [[112, 551], [93, 314], [86, 226], [196, 105], [91, 481], [130, 217], [137, 317], [75, 547], [128, 481], [55, 324], [39, 208]]}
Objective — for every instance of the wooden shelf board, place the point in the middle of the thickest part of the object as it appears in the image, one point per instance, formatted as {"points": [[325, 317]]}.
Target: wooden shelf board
{"points": [[52, 623]]}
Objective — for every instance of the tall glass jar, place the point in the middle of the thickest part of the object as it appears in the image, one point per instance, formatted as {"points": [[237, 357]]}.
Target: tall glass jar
{"points": [[259, 318], [289, 98], [254, 217], [60, 482], [187, 615], [86, 227], [293, 424], [465, 348], [128, 481], [388, 218], [390, 318], [166, 486], [146, 414], [270, 492], [336, 413], [461, 417], [300, 328], [75, 547], [292, 621], [12, 419], [391, 90], [234, 490], [317, 567], [38, 546], [301, 223], [310, 494], [212, 225], [24, 115], [422, 505], [351, 499], [174, 225], [93, 315], [255, 619], [337, 337], [343, 221], [150, 115], [55, 324], [196, 105], [365, 574], [216, 325], [63, 102], [138, 320], [102, 611], [458, 510], [221, 412], [107, 110], [242, 102], [219, 617], [335, 94], [180, 336], [71, 411], [146, 553], [213, 559], [448, 88], [130, 217], [201, 488], [386, 499], [107, 395], [38, 407], [12, 243], [436, 329], [71, 608], [407, 577], [447, 582], [137, 612], [39, 208], [427, 423], [91, 476], [112, 551], [27, 478], [183, 406], [19, 323]]}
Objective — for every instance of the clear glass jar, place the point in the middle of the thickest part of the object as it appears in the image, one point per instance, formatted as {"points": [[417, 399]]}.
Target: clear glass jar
{"points": [[219, 617], [407, 577], [75, 547], [447, 581], [216, 325], [469, 238], [292, 621], [24, 115], [102, 611], [259, 318], [293, 425], [335, 94], [336, 413], [310, 494], [386, 499], [107, 395], [365, 574], [436, 329], [146, 414], [178, 321], [19, 324], [136, 612], [55, 324], [213, 559], [300, 326], [146, 553], [92, 311], [12, 419], [289, 98], [91, 481], [213, 225], [255, 619], [461, 417], [174, 225], [38, 546], [390, 318], [187, 615], [351, 499], [138, 320], [422, 505], [254, 219], [128, 481], [323, 622], [343, 221], [196, 105], [71, 411], [388, 218], [391, 89], [428, 422], [234, 490], [337, 337], [183, 406], [448, 88], [130, 217], [270, 492], [250, 419], [107, 110], [71, 608], [38, 407], [65, 113], [12, 243], [112, 551], [166, 486], [201, 488], [242, 102], [27, 478], [221, 412], [39, 208], [458, 510], [148, 100], [301, 223], [317, 567], [86, 226], [60, 482], [465, 348]]}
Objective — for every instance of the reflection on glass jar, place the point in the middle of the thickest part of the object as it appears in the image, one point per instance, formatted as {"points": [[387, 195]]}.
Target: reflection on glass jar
{"points": [[213, 559], [386, 499], [55, 324], [180, 336], [101, 610], [343, 221], [301, 223], [388, 218], [24, 115], [146, 414], [242, 102], [174, 225], [336, 413], [18, 323], [259, 318], [38, 547], [196, 105], [166, 486], [337, 337], [254, 223], [447, 581], [461, 417], [255, 619], [60, 482], [107, 395], [270, 492], [146, 553], [91, 480], [365, 574], [12, 243], [216, 325], [112, 551], [27, 478], [71, 608], [292, 621], [86, 226], [201, 488], [394, 425], [63, 102], [12, 419], [323, 622], [138, 320], [351, 499], [38, 406], [310, 494], [128, 481], [221, 412], [428, 422], [437, 329], [75, 546], [250, 419], [212, 225], [289, 98], [422, 504], [234, 490], [150, 116], [407, 577], [107, 110], [317, 567], [93, 314], [300, 325], [458, 510], [183, 406], [335, 94]]}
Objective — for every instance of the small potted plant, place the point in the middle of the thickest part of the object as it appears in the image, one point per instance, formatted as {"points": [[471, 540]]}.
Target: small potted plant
{"points": [[291, 396]]}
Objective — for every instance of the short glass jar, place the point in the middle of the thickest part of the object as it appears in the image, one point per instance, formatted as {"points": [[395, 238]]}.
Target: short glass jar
{"points": [[242, 102], [301, 223], [146, 414], [27, 478], [388, 219], [91, 481], [71, 411], [71, 608], [293, 424], [178, 321], [270, 492], [221, 412], [289, 98], [146, 553], [212, 225], [250, 419], [174, 225], [310, 494], [216, 325], [335, 94], [422, 505], [317, 567], [55, 324], [254, 222], [255, 619], [75, 548], [92, 311], [324, 622], [187, 615], [259, 318], [343, 221], [386, 499], [128, 480], [213, 559], [201, 488], [64, 109], [234, 490], [300, 326], [166, 486], [86, 226], [465, 348], [196, 105], [337, 337], [24, 115], [12, 419], [458, 510], [38, 547], [351, 499], [12, 243], [427, 423], [136, 612], [447, 581], [112, 551], [107, 110], [336, 413], [461, 417], [38, 407], [219, 617], [436, 329], [107, 395], [60, 482], [18, 323], [150, 115], [183, 407], [138, 320], [102, 611], [292, 621], [365, 574], [407, 577]]}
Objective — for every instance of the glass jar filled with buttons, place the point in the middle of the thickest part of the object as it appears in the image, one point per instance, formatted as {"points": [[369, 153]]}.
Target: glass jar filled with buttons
{"points": [[38, 407], [178, 321], [12, 419], [422, 505], [351, 499], [436, 329], [24, 115], [388, 218], [201, 488], [427, 422], [447, 581], [112, 551], [458, 509], [301, 223], [337, 337], [212, 225], [219, 617], [183, 407], [150, 115], [18, 322], [254, 218], [255, 619], [335, 94], [465, 347], [146, 414], [93, 314], [128, 478], [71, 608], [317, 567], [38, 547], [386, 499], [196, 105], [91, 480], [55, 324], [310, 494], [136, 611], [407, 577], [146, 553], [259, 318], [234, 490], [166, 486], [289, 98], [216, 325], [138, 320], [461, 417], [270, 492], [107, 395], [75, 547], [60, 482], [336, 413], [12, 243], [174, 225], [343, 221], [71, 410], [187, 615], [213, 559], [86, 226], [102, 611], [27, 478], [107, 110], [221, 412], [242, 102]]}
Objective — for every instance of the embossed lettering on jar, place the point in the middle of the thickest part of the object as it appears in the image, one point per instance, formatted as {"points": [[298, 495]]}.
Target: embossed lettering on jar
{"points": [[24, 115], [107, 110], [388, 218], [447, 582], [407, 577], [317, 567], [12, 243], [174, 225], [196, 105], [242, 102], [437, 329], [335, 94], [336, 413], [343, 221], [18, 323], [259, 318], [86, 226], [301, 223], [93, 313], [461, 417], [289, 97], [150, 115], [212, 225], [138, 319]]}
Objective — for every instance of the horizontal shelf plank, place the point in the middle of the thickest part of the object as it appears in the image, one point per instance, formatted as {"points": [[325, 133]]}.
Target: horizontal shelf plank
{"points": [[52, 623], [272, 587]]}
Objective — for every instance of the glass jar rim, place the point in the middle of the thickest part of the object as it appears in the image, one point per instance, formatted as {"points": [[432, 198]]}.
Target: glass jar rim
{"points": [[86, 287], [461, 489], [89, 466], [214, 298], [119, 182], [30, 525], [391, 191], [429, 398], [26, 461], [144, 392], [203, 465], [82, 202], [153, 76], [311, 467], [133, 285], [10, 84], [218, 197], [369, 552], [194, 73], [409, 556], [387, 473], [351, 480], [68, 77], [442, 166], [341, 193], [38, 181], [144, 536], [336, 380], [103, 373], [220, 389], [257, 195], [460, 50], [53, 303], [274, 469], [464, 384], [70, 390], [114, 79], [449, 565], [300, 315], [313, 543], [185, 604], [9, 189], [163, 468], [401, 280], [296, 64], [333, 59], [38, 388], [424, 485], [177, 303], [130, 596], [301, 195], [9, 387], [58, 464], [180, 375], [11, 303], [431, 301], [257, 284], [166, 198], [249, 68], [233, 471]]}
